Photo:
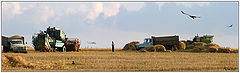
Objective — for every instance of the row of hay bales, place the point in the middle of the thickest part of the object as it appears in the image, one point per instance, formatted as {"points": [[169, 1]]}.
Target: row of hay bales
{"points": [[181, 47], [208, 47]]}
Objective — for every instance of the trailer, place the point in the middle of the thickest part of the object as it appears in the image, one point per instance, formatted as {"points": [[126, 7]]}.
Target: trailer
{"points": [[72, 44]]}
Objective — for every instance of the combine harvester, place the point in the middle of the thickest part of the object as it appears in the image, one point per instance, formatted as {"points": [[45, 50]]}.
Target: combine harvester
{"points": [[53, 40], [14, 44]]}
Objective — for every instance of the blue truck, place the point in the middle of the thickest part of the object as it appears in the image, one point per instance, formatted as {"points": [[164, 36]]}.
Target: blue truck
{"points": [[167, 41]]}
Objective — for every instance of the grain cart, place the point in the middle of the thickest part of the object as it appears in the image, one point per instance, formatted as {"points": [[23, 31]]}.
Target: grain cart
{"points": [[72, 44], [14, 44], [167, 41], [204, 38]]}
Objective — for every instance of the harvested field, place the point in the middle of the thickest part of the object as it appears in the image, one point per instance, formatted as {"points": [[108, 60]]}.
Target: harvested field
{"points": [[102, 59]]}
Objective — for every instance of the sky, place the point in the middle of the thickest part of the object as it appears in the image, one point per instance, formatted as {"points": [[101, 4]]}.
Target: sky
{"points": [[122, 22]]}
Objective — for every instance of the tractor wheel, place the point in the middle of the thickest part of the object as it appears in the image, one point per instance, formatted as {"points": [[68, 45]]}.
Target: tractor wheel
{"points": [[54, 49]]}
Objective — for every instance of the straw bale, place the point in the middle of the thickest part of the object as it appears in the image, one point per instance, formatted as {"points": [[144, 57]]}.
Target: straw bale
{"points": [[212, 44], [130, 46], [224, 50], [18, 61], [199, 43], [182, 45], [212, 49], [160, 48], [234, 51]]}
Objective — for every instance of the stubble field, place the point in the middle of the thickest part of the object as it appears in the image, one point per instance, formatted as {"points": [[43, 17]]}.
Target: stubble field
{"points": [[102, 59]]}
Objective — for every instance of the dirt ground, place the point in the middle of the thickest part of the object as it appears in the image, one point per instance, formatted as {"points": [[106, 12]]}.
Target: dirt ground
{"points": [[103, 59]]}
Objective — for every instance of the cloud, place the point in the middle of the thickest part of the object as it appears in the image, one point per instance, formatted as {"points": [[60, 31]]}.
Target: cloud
{"points": [[33, 14], [93, 10], [160, 4], [191, 4], [10, 10], [135, 6], [111, 9], [37, 14]]}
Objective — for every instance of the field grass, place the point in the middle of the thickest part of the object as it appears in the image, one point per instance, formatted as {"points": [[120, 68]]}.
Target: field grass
{"points": [[102, 59]]}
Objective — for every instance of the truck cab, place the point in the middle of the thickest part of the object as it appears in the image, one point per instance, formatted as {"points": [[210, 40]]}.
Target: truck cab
{"points": [[147, 42], [17, 45]]}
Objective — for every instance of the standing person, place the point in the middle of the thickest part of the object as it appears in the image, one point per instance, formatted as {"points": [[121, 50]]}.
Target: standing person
{"points": [[112, 46]]}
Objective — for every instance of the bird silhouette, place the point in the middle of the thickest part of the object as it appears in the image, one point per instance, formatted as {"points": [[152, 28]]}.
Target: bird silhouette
{"points": [[192, 16], [230, 26]]}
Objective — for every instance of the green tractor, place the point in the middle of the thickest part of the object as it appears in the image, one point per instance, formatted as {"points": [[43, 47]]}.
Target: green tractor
{"points": [[204, 38]]}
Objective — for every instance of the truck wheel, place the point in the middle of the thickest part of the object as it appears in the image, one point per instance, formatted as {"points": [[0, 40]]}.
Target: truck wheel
{"points": [[64, 49]]}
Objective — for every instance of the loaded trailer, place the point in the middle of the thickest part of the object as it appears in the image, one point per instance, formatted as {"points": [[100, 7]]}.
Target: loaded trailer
{"points": [[14, 44]]}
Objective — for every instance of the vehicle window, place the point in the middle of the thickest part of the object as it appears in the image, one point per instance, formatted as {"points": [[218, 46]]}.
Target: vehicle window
{"points": [[16, 42]]}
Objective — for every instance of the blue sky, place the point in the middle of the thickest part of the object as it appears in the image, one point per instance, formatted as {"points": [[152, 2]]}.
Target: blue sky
{"points": [[123, 22]]}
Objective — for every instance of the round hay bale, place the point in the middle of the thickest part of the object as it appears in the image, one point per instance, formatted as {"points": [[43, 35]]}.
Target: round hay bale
{"points": [[190, 47], [212, 49], [234, 51], [199, 49], [212, 44], [224, 50], [150, 48], [143, 50], [199, 43], [182, 45], [160, 48], [130, 46], [134, 42]]}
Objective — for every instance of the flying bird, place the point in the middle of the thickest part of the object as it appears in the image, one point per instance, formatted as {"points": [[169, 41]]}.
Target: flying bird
{"points": [[230, 26], [192, 16]]}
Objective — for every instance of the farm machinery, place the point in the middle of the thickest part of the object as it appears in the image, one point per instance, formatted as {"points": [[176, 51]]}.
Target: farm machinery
{"points": [[204, 38], [14, 44], [167, 41], [53, 40]]}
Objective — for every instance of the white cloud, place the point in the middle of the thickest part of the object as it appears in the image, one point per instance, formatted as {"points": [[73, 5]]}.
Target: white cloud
{"points": [[34, 14], [160, 4], [37, 14], [133, 6], [191, 4], [93, 10], [10, 10], [111, 9]]}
